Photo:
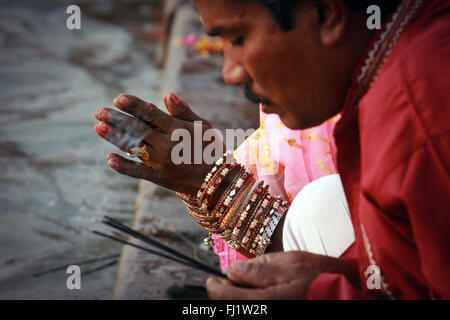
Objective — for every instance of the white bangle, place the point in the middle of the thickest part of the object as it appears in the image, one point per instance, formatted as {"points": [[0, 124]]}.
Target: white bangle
{"points": [[264, 241]]}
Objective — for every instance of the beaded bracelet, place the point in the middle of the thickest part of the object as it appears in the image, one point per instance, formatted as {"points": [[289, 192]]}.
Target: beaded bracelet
{"points": [[199, 209], [239, 182], [253, 216], [211, 175], [233, 191], [233, 231], [230, 196], [251, 207], [259, 229], [216, 214], [187, 199], [233, 212], [219, 173], [262, 241], [229, 225], [246, 218], [194, 210], [257, 222], [249, 223]]}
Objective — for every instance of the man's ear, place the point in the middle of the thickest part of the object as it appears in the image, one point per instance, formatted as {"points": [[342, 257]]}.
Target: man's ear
{"points": [[333, 15]]}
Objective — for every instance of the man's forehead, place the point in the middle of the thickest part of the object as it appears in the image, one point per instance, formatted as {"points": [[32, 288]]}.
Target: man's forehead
{"points": [[220, 14]]}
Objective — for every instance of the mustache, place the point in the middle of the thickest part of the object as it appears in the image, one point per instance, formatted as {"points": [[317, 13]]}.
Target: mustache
{"points": [[250, 95]]}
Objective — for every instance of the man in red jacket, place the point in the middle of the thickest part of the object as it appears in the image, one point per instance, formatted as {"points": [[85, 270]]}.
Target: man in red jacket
{"points": [[393, 139], [307, 61]]}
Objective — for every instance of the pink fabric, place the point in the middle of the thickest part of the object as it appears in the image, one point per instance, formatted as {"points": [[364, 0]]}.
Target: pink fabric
{"points": [[286, 160]]}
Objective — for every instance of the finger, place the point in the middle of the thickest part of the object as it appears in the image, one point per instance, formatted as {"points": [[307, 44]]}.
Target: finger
{"points": [[296, 289], [120, 120], [277, 257], [180, 109], [307, 259], [131, 168], [132, 126], [148, 112], [263, 275], [222, 289], [290, 289], [103, 114], [117, 137]]}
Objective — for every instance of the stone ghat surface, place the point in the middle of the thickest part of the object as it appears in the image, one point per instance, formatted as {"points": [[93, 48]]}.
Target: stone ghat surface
{"points": [[55, 183]]}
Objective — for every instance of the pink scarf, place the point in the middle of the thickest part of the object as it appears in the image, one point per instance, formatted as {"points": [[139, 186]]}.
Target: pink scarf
{"points": [[286, 160]]}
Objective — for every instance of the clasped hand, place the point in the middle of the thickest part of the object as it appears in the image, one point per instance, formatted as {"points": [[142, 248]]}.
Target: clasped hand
{"points": [[139, 122], [273, 276]]}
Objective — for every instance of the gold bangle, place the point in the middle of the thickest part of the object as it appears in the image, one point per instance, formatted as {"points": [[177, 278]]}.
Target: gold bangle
{"points": [[233, 212]]}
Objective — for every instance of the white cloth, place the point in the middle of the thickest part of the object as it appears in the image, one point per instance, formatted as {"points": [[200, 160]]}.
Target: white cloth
{"points": [[319, 220]]}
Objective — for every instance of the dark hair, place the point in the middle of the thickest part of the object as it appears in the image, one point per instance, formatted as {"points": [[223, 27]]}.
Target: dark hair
{"points": [[282, 10]]}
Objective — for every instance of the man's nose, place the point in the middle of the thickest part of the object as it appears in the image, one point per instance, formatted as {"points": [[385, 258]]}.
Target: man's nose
{"points": [[234, 73]]}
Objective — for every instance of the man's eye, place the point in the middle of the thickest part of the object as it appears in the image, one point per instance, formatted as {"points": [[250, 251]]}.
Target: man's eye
{"points": [[238, 42]]}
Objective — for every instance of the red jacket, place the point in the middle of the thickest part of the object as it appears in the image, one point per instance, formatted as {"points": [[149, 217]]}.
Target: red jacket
{"points": [[394, 161]]}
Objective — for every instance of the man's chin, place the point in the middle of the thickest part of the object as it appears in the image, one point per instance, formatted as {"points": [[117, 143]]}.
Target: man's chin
{"points": [[286, 119], [293, 123], [290, 121], [269, 108]]}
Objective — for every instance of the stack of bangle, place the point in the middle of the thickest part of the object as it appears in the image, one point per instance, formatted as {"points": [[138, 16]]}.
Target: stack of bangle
{"points": [[208, 214], [246, 215]]}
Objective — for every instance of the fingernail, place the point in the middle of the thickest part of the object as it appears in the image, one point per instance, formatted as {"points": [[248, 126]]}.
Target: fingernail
{"points": [[104, 127], [240, 266], [227, 270], [174, 98], [113, 163], [105, 115], [123, 100]]}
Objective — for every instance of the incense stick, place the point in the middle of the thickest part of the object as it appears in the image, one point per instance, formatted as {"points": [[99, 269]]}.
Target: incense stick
{"points": [[118, 225], [64, 267], [198, 265], [136, 246], [103, 266]]}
